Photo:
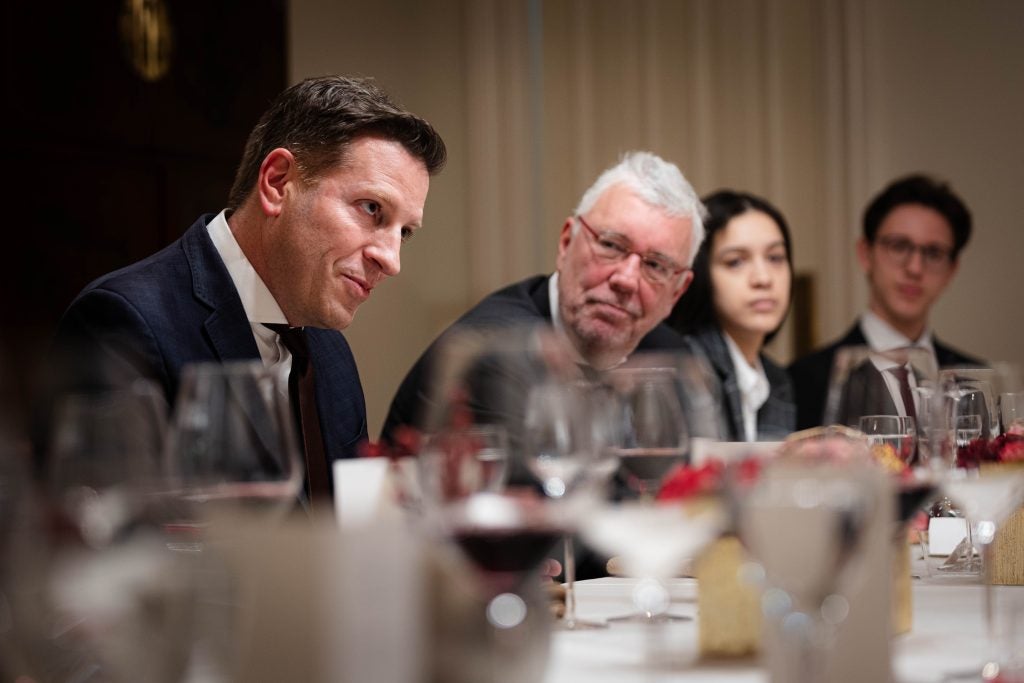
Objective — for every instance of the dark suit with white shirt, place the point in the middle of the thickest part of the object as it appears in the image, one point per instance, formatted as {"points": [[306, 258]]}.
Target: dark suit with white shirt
{"points": [[811, 374], [180, 306]]}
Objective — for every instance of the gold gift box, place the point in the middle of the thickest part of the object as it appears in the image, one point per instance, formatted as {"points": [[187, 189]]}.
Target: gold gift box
{"points": [[728, 608], [1006, 562], [1006, 559]]}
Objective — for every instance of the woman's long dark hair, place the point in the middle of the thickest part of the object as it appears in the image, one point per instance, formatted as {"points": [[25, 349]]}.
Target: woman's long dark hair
{"points": [[696, 309]]}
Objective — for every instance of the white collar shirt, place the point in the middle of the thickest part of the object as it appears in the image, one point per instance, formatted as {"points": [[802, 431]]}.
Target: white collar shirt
{"points": [[753, 385], [881, 336], [259, 304]]}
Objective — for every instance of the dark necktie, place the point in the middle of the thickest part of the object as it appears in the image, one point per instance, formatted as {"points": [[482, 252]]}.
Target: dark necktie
{"points": [[903, 378], [302, 392]]}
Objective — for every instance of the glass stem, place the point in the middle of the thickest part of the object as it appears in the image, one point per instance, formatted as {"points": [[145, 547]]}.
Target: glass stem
{"points": [[570, 580], [986, 577]]}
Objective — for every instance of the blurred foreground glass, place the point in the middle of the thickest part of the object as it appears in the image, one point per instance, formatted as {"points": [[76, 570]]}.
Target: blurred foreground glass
{"points": [[100, 596], [571, 428], [987, 496], [662, 398], [232, 446], [487, 377], [804, 521]]}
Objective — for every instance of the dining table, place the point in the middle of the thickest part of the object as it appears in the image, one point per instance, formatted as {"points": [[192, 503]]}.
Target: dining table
{"points": [[946, 643]]}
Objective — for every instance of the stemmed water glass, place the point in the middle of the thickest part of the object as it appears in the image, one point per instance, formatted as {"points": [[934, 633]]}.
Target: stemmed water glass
{"points": [[570, 429], [652, 539], [891, 436], [987, 496], [1011, 412]]}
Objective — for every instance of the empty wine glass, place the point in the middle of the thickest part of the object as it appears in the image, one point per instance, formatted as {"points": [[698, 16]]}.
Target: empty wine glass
{"points": [[569, 427], [1011, 412], [804, 521], [232, 448], [866, 382], [987, 496]]}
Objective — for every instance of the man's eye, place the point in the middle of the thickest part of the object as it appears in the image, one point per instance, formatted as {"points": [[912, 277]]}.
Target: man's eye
{"points": [[902, 247], [656, 266], [611, 245], [934, 254], [370, 207], [407, 234]]}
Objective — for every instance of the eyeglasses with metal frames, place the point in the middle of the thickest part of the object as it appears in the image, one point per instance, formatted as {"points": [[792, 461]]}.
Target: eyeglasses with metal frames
{"points": [[612, 248], [900, 250]]}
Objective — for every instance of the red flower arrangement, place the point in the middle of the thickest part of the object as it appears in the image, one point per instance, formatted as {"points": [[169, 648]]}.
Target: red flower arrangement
{"points": [[686, 481], [1007, 447]]}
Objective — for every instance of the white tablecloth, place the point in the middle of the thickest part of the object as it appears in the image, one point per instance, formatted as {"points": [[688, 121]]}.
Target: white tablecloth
{"points": [[947, 637]]}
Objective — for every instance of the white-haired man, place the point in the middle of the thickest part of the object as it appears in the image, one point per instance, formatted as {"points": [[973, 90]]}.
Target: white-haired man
{"points": [[623, 261]]}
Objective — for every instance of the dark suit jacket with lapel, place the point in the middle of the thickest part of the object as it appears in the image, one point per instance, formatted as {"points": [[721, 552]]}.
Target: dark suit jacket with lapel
{"points": [[776, 419], [518, 304], [180, 306], [811, 374]]}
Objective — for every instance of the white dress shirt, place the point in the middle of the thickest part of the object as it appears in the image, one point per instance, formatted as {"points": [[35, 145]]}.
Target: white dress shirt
{"points": [[259, 304], [881, 336], [753, 385]]}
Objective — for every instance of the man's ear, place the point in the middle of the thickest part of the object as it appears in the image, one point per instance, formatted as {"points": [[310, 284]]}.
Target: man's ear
{"points": [[683, 286], [864, 254], [564, 239], [277, 170]]}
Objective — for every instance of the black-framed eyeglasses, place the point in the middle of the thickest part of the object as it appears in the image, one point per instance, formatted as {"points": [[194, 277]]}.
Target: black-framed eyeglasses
{"points": [[900, 250], [611, 247]]}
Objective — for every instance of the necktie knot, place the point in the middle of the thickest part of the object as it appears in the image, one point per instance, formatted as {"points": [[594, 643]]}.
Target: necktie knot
{"points": [[293, 338]]}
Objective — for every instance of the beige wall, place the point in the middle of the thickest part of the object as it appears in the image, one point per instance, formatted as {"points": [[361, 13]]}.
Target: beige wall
{"points": [[814, 103]]}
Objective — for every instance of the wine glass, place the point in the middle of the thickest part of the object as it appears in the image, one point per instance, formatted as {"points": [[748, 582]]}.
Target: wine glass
{"points": [[987, 496], [655, 432], [569, 430], [890, 437], [232, 448], [107, 575], [462, 461], [803, 521], [652, 539], [1011, 412], [866, 382], [974, 396]]}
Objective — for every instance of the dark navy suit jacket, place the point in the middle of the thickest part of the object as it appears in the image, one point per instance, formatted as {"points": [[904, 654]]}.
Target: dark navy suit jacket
{"points": [[180, 306], [521, 303]]}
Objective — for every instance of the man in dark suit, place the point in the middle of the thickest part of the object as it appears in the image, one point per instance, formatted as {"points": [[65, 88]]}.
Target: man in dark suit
{"points": [[914, 231], [606, 302], [332, 181]]}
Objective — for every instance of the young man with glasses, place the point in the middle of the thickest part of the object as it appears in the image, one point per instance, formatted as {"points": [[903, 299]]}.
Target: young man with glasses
{"points": [[913, 234], [623, 261]]}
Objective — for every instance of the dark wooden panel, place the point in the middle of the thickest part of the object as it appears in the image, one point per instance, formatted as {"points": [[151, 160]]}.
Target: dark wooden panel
{"points": [[106, 167]]}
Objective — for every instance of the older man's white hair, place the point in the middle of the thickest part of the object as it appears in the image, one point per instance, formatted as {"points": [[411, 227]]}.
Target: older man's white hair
{"points": [[659, 183]]}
